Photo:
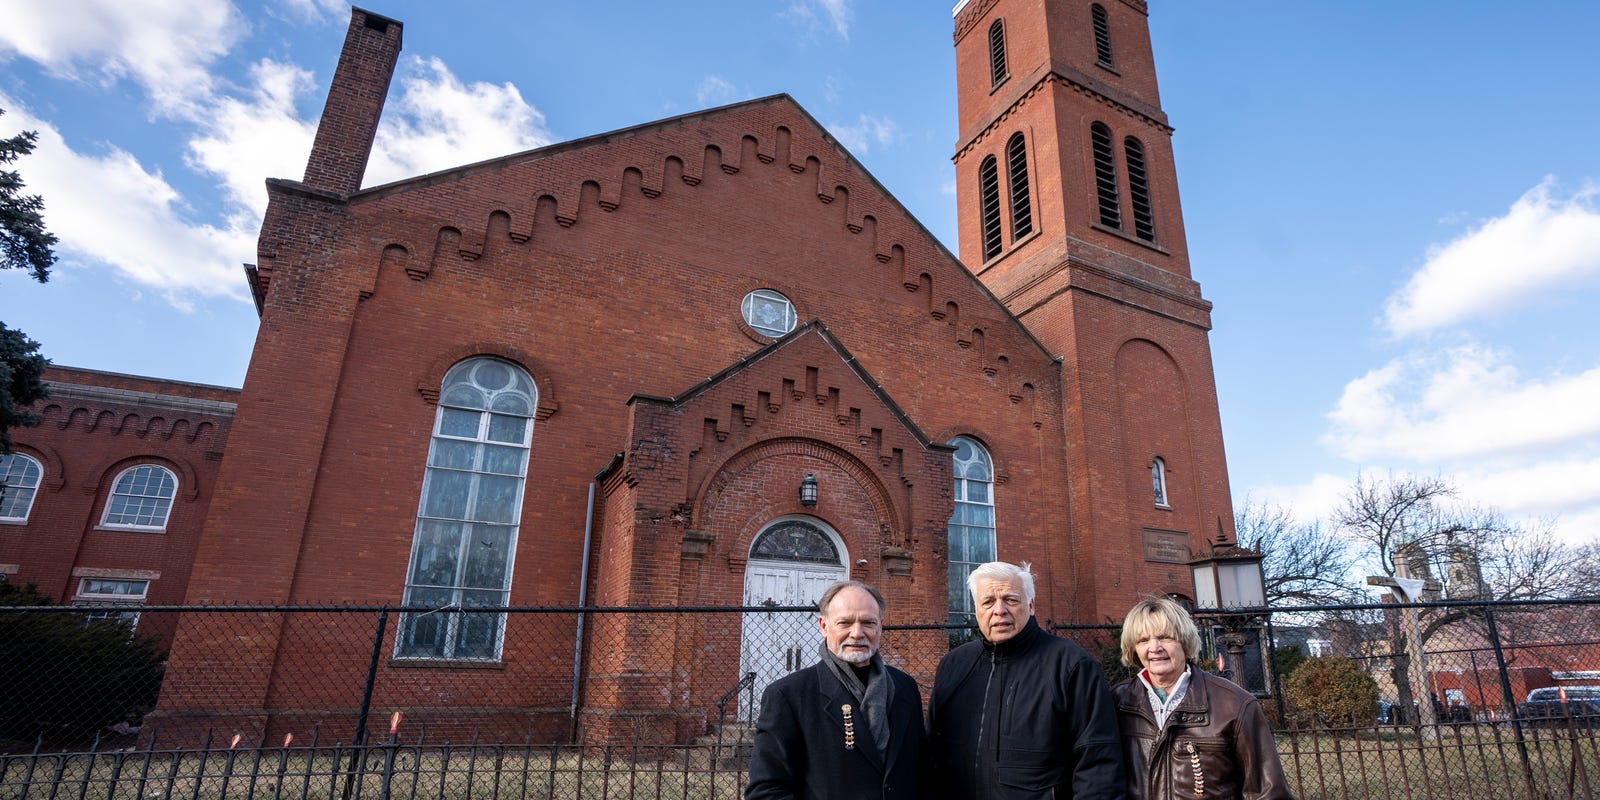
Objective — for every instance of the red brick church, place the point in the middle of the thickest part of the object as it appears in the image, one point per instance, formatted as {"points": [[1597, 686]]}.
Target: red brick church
{"points": [[713, 362]]}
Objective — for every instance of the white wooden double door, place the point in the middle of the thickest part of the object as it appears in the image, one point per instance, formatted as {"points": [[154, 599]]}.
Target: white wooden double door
{"points": [[774, 644]]}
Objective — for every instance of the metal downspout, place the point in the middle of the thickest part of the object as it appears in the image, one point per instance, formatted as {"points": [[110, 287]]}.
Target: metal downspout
{"points": [[583, 589]]}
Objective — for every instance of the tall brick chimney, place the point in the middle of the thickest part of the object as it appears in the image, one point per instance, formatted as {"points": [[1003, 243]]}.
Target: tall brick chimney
{"points": [[355, 102]]}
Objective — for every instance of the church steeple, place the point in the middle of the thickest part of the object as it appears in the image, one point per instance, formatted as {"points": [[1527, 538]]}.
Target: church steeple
{"points": [[1068, 206], [1062, 137]]}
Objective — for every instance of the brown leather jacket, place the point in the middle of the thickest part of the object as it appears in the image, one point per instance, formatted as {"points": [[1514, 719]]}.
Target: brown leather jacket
{"points": [[1216, 744]]}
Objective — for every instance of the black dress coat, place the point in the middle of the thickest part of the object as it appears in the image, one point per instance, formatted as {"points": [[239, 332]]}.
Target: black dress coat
{"points": [[800, 743]]}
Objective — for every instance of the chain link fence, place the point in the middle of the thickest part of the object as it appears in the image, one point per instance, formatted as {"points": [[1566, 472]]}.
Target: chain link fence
{"points": [[1420, 701]]}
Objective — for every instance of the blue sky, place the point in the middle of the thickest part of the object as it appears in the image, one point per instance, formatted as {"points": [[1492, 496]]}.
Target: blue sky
{"points": [[1392, 205]]}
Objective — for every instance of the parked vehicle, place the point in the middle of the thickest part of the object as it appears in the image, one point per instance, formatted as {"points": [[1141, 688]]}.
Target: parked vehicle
{"points": [[1555, 704]]}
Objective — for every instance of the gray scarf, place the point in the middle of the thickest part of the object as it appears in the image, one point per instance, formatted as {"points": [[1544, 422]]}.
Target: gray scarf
{"points": [[873, 697]]}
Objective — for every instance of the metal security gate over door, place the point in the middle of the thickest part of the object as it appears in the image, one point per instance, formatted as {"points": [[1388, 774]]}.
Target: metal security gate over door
{"points": [[792, 561]]}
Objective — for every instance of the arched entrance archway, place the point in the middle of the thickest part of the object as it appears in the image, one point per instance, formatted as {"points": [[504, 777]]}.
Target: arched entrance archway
{"points": [[792, 560]]}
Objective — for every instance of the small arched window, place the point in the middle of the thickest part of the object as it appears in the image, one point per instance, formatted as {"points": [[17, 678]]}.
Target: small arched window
{"points": [[972, 524], [1102, 35], [19, 482], [1105, 176], [141, 498], [997, 52], [1144, 221], [467, 520], [989, 206], [1017, 182], [1158, 480]]}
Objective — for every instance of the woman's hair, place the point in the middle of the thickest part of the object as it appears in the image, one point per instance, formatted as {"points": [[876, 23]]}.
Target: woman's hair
{"points": [[1020, 577], [1156, 616]]}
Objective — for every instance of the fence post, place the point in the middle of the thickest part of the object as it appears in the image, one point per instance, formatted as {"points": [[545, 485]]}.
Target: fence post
{"points": [[372, 677], [1272, 664], [1506, 699]]}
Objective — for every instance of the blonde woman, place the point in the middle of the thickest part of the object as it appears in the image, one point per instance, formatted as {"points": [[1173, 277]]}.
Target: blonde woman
{"points": [[1187, 733]]}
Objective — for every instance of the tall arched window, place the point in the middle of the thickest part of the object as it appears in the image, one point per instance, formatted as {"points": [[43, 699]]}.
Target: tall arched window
{"points": [[1144, 221], [1158, 480], [972, 524], [1105, 175], [997, 52], [141, 499], [1017, 182], [19, 477], [1102, 35], [466, 534], [989, 206]]}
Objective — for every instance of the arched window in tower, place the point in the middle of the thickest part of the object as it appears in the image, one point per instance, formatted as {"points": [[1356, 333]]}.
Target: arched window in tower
{"points": [[1144, 221], [1102, 35], [989, 206], [1105, 175], [466, 534], [1158, 480], [972, 524], [997, 52], [1017, 182]]}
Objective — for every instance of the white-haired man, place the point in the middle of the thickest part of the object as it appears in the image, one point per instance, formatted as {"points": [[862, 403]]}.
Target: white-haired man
{"points": [[1021, 713]]}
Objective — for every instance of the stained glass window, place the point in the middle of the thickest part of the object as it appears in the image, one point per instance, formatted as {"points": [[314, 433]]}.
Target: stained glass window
{"points": [[795, 540], [471, 502], [972, 525], [768, 312]]}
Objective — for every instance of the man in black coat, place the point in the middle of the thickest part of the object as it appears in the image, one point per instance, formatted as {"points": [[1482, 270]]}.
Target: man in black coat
{"points": [[848, 727], [1021, 714]]}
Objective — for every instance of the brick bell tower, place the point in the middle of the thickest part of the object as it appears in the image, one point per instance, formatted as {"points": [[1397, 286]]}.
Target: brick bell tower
{"points": [[1069, 213]]}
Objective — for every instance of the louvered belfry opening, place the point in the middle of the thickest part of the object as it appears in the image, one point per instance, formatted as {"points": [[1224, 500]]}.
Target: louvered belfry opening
{"points": [[1102, 35], [1105, 175], [1144, 221], [997, 52], [1017, 182], [989, 206]]}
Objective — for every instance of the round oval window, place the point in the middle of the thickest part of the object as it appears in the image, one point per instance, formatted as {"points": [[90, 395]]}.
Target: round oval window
{"points": [[769, 313]]}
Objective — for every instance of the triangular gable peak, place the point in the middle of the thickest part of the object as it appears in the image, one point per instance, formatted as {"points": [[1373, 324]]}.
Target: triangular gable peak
{"points": [[804, 394], [518, 198]]}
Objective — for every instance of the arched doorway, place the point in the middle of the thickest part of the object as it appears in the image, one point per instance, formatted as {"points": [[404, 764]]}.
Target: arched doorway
{"points": [[792, 560]]}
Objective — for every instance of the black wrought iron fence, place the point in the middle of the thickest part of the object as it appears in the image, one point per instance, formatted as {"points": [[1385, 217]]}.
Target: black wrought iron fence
{"points": [[1502, 698]]}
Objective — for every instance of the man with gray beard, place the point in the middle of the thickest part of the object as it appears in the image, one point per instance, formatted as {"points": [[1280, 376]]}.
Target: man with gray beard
{"points": [[848, 727]]}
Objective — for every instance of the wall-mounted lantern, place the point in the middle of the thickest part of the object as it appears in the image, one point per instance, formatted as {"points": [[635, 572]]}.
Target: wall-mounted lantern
{"points": [[808, 490]]}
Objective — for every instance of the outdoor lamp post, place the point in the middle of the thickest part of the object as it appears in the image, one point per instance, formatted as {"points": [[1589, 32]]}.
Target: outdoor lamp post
{"points": [[1228, 576], [808, 490]]}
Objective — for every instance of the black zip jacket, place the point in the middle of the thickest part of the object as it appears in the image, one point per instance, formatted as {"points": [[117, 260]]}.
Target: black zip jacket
{"points": [[1029, 718]]}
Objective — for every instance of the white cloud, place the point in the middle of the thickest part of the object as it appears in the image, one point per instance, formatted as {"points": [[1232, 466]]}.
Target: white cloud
{"points": [[313, 10], [1566, 486], [438, 122], [1539, 248], [1307, 502], [834, 13], [715, 91], [1463, 402], [865, 132], [109, 209], [247, 140], [164, 45]]}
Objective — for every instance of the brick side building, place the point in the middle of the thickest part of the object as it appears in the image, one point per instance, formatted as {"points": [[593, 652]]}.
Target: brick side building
{"points": [[628, 357], [106, 497]]}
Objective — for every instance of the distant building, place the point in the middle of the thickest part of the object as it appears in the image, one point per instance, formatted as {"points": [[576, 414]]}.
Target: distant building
{"points": [[104, 500]]}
